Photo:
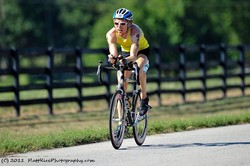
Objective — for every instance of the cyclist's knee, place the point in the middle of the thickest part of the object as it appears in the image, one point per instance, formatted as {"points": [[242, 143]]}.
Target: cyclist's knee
{"points": [[144, 66], [142, 60]]}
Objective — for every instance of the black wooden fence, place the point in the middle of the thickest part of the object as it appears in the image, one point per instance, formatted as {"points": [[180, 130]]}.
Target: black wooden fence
{"points": [[233, 61]]}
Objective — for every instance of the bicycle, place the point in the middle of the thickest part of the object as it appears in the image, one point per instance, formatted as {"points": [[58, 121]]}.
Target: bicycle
{"points": [[123, 113]]}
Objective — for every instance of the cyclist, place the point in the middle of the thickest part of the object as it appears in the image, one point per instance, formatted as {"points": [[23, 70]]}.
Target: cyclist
{"points": [[134, 47]]}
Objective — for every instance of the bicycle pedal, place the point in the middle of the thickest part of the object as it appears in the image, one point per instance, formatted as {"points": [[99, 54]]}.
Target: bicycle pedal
{"points": [[144, 117], [140, 118]]}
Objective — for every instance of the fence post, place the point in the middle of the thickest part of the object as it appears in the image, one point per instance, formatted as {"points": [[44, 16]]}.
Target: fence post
{"points": [[203, 71], [223, 62], [182, 66], [158, 68], [107, 79], [79, 71], [15, 70], [242, 68], [50, 55]]}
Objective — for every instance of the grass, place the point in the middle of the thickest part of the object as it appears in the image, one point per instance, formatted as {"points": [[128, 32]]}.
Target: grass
{"points": [[10, 144], [33, 132]]}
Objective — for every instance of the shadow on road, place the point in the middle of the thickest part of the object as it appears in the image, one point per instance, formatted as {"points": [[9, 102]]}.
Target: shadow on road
{"points": [[159, 146]]}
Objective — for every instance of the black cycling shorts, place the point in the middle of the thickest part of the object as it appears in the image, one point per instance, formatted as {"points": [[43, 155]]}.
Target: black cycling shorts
{"points": [[145, 51]]}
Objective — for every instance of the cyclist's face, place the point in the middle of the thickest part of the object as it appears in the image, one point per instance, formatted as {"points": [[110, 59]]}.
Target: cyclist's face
{"points": [[121, 26]]}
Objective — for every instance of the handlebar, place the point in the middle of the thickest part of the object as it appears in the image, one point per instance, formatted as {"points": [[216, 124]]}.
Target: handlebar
{"points": [[130, 66]]}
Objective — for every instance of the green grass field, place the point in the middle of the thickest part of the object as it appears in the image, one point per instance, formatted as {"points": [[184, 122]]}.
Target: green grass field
{"points": [[35, 130]]}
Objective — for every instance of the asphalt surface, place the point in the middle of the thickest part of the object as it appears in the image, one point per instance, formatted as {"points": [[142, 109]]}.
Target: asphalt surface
{"points": [[222, 146]]}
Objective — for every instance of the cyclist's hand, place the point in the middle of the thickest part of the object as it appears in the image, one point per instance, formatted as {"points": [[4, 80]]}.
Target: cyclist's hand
{"points": [[112, 59], [123, 62]]}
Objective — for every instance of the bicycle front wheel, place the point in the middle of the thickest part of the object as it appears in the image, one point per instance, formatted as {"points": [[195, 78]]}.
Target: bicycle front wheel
{"points": [[116, 120], [140, 126]]}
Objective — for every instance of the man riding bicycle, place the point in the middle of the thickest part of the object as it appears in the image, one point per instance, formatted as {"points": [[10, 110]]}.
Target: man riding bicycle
{"points": [[134, 46]]}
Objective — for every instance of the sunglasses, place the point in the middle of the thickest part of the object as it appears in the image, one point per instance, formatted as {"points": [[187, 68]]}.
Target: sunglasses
{"points": [[121, 23]]}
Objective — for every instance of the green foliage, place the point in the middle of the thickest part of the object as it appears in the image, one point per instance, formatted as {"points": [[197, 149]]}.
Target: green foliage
{"points": [[214, 21], [66, 23], [54, 140], [36, 132], [13, 24], [21, 144]]}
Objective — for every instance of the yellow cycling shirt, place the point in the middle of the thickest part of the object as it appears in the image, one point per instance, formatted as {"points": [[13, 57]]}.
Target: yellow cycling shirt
{"points": [[126, 43]]}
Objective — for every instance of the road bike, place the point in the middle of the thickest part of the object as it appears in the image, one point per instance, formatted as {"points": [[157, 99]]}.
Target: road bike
{"points": [[125, 107]]}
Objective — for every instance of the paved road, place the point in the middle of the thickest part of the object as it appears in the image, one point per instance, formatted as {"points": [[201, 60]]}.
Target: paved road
{"points": [[223, 146]]}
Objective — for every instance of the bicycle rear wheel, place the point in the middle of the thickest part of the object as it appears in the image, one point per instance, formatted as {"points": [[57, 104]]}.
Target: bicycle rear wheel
{"points": [[140, 127], [116, 121]]}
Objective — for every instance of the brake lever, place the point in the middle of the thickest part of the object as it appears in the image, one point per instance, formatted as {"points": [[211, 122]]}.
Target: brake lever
{"points": [[99, 68]]}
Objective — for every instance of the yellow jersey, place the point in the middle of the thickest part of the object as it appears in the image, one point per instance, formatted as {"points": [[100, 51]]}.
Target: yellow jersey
{"points": [[126, 43]]}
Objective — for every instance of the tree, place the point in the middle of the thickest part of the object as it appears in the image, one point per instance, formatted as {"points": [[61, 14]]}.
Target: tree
{"points": [[70, 23], [160, 26], [241, 20], [13, 24]]}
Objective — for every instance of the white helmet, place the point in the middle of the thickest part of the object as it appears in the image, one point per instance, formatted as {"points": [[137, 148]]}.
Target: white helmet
{"points": [[124, 14]]}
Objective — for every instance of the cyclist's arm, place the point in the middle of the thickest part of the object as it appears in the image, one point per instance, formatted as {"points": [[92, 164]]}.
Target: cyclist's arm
{"points": [[135, 37], [111, 39]]}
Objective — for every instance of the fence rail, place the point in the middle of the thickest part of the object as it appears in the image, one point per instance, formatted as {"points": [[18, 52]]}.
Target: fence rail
{"points": [[233, 61]]}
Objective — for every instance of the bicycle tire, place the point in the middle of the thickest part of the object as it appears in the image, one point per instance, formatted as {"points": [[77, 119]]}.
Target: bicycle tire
{"points": [[114, 121], [140, 129]]}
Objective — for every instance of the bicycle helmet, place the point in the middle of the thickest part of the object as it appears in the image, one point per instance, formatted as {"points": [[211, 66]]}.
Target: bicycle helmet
{"points": [[124, 14]]}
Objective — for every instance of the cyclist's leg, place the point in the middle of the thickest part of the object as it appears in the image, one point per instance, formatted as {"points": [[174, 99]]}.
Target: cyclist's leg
{"points": [[126, 75], [143, 64], [119, 107], [142, 60]]}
